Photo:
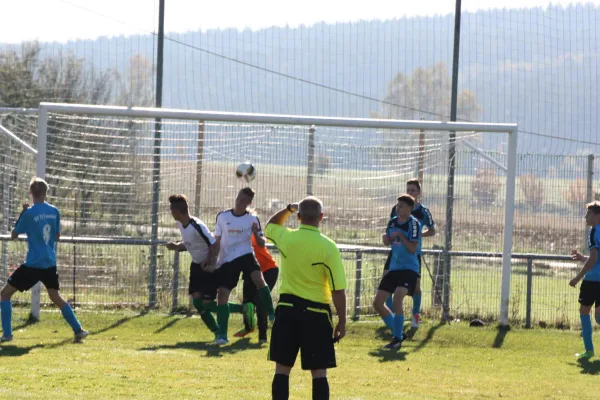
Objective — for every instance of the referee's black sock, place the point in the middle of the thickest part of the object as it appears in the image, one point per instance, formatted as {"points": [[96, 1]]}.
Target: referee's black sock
{"points": [[281, 387], [320, 389]]}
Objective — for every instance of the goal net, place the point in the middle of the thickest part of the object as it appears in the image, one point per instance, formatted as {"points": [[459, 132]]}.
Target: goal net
{"points": [[112, 169]]}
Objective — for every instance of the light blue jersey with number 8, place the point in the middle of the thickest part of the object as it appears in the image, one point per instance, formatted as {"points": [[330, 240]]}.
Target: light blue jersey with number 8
{"points": [[41, 223]]}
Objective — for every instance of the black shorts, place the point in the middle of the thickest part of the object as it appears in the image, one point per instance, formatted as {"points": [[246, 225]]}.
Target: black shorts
{"points": [[250, 291], [203, 282], [399, 278], [228, 275], [589, 293], [24, 278], [302, 325], [386, 267]]}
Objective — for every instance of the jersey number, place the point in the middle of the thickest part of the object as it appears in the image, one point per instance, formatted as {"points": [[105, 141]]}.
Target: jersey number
{"points": [[47, 232]]}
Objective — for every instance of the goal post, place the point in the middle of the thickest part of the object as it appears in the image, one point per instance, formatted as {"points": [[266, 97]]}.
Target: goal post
{"points": [[47, 111]]}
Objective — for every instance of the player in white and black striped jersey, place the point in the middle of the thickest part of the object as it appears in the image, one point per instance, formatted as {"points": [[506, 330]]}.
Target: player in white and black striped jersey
{"points": [[201, 244]]}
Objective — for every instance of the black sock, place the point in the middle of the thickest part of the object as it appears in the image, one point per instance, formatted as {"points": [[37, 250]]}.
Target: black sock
{"points": [[320, 389], [281, 387]]}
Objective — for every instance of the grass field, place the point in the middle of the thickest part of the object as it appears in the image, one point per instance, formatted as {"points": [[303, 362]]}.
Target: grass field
{"points": [[158, 356]]}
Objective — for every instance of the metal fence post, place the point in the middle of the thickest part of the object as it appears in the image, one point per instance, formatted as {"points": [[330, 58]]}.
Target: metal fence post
{"points": [[175, 284], [358, 276], [310, 172], [529, 286], [446, 285]]}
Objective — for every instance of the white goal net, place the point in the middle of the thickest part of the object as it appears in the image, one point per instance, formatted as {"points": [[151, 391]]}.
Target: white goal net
{"points": [[111, 170]]}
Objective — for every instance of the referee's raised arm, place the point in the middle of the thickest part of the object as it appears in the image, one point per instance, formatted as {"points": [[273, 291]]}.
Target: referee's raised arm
{"points": [[312, 277], [281, 216]]}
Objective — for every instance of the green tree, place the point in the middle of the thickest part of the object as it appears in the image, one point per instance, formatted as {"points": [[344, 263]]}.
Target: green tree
{"points": [[424, 94], [90, 159]]}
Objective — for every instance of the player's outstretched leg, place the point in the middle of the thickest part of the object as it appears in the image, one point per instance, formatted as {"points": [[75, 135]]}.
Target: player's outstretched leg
{"points": [[68, 315], [264, 294], [6, 311]]}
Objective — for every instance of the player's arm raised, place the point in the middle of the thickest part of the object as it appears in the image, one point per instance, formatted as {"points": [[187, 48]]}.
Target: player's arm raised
{"points": [[589, 264]]}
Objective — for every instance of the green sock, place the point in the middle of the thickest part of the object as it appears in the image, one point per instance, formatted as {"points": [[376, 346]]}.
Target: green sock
{"points": [[264, 294], [205, 314], [236, 308], [198, 305], [211, 307], [209, 321], [223, 319]]}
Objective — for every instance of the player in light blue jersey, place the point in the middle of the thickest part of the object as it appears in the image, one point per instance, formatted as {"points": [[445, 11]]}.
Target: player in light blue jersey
{"points": [[589, 292], [41, 223], [403, 233], [423, 215]]}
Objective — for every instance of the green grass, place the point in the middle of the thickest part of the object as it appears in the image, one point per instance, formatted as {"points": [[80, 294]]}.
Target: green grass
{"points": [[159, 356]]}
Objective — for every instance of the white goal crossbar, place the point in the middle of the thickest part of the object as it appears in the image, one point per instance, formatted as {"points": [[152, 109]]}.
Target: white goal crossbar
{"points": [[160, 113]]}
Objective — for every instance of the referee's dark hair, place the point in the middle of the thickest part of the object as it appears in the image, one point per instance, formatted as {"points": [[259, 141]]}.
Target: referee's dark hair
{"points": [[414, 181], [179, 202], [407, 199]]}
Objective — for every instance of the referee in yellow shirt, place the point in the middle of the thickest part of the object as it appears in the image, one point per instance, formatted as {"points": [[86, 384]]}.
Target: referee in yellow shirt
{"points": [[312, 275]]}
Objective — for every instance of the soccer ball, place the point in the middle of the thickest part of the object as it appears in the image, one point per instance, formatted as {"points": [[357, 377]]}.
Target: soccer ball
{"points": [[246, 171]]}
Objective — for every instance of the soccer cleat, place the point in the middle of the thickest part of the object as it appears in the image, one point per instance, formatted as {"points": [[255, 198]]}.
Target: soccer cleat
{"points": [[82, 334], [6, 339], [243, 332], [394, 344], [221, 341], [248, 313], [416, 320], [587, 354]]}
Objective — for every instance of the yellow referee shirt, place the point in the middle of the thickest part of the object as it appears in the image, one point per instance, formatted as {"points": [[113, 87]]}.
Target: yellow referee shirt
{"points": [[311, 264]]}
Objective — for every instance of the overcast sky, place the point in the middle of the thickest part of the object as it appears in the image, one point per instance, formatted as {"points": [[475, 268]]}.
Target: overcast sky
{"points": [[63, 20]]}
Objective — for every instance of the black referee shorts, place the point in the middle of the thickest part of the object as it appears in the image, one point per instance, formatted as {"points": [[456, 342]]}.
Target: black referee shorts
{"points": [[228, 274], [302, 325], [203, 282], [24, 278], [589, 293]]}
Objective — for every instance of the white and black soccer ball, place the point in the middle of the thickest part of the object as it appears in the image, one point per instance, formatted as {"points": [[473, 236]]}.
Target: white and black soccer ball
{"points": [[246, 171]]}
